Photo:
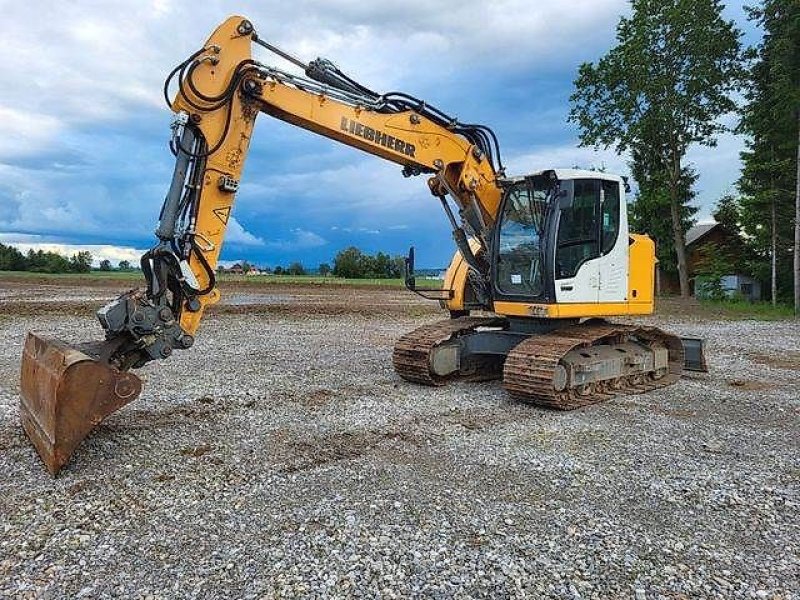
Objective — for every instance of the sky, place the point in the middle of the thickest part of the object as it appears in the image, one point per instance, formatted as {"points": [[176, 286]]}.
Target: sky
{"points": [[84, 162]]}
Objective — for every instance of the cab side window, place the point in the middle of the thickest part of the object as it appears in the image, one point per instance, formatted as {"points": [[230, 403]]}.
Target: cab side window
{"points": [[610, 215], [578, 229]]}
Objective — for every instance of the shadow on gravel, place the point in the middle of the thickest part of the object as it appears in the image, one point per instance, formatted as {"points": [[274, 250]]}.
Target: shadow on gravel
{"points": [[789, 361], [418, 432]]}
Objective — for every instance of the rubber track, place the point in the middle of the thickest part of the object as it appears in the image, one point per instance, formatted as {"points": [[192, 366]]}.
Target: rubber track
{"points": [[412, 352], [528, 370]]}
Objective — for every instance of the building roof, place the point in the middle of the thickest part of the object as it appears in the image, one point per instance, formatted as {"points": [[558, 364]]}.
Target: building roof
{"points": [[699, 231]]}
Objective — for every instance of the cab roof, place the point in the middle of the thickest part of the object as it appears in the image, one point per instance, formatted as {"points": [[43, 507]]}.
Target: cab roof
{"points": [[573, 174]]}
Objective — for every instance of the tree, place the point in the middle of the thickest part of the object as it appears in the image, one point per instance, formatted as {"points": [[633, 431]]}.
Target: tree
{"points": [[770, 180], [278, 270], [380, 266], [105, 265], [728, 213], [81, 262], [46, 262], [11, 259], [398, 267], [324, 269], [124, 265], [650, 211], [713, 263], [663, 87], [296, 268], [349, 263], [352, 263], [738, 252]]}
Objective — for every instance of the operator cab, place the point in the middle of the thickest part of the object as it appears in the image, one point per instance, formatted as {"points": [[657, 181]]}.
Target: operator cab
{"points": [[562, 237]]}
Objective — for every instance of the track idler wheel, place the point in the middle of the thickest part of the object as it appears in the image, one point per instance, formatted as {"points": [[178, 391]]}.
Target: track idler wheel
{"points": [[66, 393]]}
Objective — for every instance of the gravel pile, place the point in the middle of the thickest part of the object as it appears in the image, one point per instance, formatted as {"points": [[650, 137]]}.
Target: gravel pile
{"points": [[282, 457]]}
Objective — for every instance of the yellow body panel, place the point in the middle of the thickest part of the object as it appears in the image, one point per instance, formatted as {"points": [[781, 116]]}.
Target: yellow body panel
{"points": [[455, 278], [571, 310], [641, 271], [430, 142], [215, 205]]}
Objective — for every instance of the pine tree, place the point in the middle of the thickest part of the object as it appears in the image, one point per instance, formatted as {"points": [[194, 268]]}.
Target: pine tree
{"points": [[770, 179]]}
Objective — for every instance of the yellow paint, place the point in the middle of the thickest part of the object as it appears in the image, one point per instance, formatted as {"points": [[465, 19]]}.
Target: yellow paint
{"points": [[641, 271], [215, 205], [571, 310], [431, 142], [455, 278], [434, 147]]}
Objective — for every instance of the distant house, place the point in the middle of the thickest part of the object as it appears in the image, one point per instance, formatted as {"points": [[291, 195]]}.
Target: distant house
{"points": [[701, 239], [236, 269], [733, 285]]}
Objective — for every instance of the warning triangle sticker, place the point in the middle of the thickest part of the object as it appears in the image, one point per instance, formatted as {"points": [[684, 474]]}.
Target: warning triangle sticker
{"points": [[223, 214]]}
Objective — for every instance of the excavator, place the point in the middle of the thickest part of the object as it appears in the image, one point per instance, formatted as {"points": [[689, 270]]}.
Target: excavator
{"points": [[541, 260]]}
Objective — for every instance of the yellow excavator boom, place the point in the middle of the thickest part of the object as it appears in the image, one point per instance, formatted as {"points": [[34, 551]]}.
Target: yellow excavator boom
{"points": [[405, 137]]}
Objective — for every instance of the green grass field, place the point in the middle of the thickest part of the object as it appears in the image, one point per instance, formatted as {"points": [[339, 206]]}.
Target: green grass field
{"points": [[741, 309], [93, 275], [255, 280]]}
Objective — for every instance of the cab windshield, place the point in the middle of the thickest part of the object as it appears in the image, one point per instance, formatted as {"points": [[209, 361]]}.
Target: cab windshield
{"points": [[520, 257]]}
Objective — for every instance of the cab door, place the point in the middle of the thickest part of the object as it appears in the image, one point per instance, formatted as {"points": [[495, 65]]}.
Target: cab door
{"points": [[576, 270], [613, 261]]}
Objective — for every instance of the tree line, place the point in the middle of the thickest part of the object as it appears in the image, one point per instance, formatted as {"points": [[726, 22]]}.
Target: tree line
{"points": [[670, 83], [39, 261], [350, 263]]}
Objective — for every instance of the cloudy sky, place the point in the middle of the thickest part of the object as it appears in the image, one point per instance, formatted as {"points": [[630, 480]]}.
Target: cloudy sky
{"points": [[83, 155]]}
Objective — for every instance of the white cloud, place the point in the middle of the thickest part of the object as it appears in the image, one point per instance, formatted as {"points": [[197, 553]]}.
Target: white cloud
{"points": [[360, 187], [566, 156], [25, 242], [718, 168], [236, 234], [26, 132], [357, 230]]}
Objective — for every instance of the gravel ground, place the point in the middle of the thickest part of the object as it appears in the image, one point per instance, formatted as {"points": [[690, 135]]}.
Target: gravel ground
{"points": [[282, 457]]}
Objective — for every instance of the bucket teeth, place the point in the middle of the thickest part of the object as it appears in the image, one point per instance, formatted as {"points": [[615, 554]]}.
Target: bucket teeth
{"points": [[65, 394]]}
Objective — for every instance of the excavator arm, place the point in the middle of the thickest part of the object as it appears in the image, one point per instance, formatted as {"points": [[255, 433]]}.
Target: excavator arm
{"points": [[67, 390], [222, 90]]}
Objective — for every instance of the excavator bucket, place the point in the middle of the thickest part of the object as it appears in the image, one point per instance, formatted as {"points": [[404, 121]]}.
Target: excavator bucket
{"points": [[66, 392]]}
